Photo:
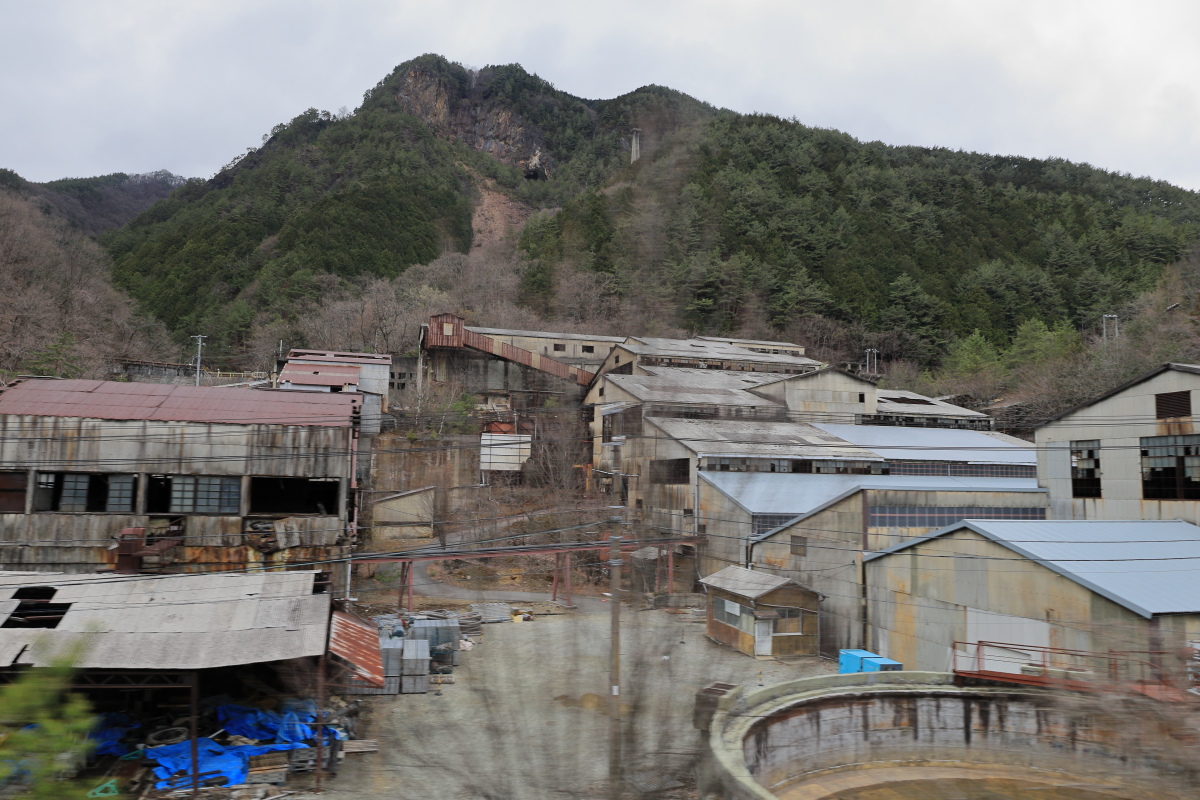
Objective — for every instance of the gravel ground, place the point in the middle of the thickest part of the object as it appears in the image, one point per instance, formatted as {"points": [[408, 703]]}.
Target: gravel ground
{"points": [[527, 716]]}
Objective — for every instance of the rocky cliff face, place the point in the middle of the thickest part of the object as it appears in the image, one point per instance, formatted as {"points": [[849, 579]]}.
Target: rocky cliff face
{"points": [[472, 118]]}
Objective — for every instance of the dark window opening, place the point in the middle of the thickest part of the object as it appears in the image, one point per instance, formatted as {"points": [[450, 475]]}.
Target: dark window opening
{"points": [[322, 582], [336, 388], [193, 494], [587, 348], [294, 496], [862, 398], [12, 492], [72, 491], [637, 503], [1171, 467], [669, 471], [36, 614], [35, 593], [799, 545], [1168, 405], [909, 401], [1085, 468], [560, 348]]}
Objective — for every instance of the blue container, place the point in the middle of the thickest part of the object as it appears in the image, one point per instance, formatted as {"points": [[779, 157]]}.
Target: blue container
{"points": [[881, 664], [851, 660]]}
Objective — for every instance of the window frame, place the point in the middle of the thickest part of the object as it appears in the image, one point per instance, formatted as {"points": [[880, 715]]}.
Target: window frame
{"points": [[1085, 469], [85, 493]]}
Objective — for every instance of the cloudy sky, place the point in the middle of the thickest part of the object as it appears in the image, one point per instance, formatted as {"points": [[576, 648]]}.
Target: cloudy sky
{"points": [[93, 86]]}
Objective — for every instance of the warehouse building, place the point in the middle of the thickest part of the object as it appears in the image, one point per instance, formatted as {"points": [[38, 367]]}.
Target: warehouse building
{"points": [[1131, 453], [1066, 588]]}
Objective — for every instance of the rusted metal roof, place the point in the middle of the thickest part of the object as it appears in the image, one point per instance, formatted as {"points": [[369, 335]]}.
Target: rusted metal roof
{"points": [[337, 357], [358, 643], [157, 402], [320, 374]]}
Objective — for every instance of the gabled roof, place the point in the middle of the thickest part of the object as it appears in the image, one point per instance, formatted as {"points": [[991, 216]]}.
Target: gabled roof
{"points": [[744, 582], [896, 401], [1147, 566], [1192, 368], [696, 387], [156, 402], [825, 370]]}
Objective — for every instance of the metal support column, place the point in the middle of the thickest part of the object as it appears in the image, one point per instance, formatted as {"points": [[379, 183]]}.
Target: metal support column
{"points": [[320, 773], [193, 725]]}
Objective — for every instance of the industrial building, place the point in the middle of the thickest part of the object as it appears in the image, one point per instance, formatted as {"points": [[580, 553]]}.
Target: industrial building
{"points": [[366, 374], [148, 477], [1131, 453], [1082, 595]]}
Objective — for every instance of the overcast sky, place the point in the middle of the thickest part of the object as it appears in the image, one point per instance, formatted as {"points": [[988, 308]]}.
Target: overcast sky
{"points": [[91, 87]]}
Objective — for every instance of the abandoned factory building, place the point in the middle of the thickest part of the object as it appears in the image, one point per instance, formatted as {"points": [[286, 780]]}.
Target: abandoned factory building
{"points": [[96, 474]]}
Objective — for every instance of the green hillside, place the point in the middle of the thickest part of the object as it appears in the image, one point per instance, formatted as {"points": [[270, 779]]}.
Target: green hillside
{"points": [[728, 222]]}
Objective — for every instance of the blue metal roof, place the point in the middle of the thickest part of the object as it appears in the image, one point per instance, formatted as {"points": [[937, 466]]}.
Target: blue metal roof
{"points": [[802, 493], [1148, 566], [935, 444]]}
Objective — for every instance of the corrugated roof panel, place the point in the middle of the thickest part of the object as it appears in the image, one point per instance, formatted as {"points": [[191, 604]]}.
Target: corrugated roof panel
{"points": [[762, 439], [144, 401], [358, 643], [799, 494], [935, 444], [744, 582]]}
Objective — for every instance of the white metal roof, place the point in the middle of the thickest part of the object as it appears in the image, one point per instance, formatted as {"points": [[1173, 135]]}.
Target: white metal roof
{"points": [[896, 401], [170, 622], [759, 439], [936, 444], [801, 494], [717, 351], [745, 582], [696, 387], [1148, 566]]}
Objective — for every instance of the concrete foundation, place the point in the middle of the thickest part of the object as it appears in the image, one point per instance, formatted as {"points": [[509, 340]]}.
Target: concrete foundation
{"points": [[801, 739]]}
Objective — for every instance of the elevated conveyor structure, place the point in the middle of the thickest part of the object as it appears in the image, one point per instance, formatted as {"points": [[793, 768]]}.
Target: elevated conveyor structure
{"points": [[449, 332]]}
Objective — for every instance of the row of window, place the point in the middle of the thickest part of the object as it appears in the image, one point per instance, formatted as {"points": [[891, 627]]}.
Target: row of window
{"points": [[836, 467], [741, 617], [168, 494], [941, 516]]}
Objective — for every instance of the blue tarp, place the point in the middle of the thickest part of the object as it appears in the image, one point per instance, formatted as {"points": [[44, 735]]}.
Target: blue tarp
{"points": [[255, 723], [109, 733], [230, 763]]}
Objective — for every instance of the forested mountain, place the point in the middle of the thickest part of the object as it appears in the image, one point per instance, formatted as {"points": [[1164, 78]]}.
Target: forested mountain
{"points": [[59, 312], [728, 223], [94, 205]]}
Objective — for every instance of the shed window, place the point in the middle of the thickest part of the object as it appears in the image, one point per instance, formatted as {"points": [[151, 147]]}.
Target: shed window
{"points": [[12, 492], [727, 612], [1085, 468], [1171, 467], [669, 471], [77, 491], [789, 620], [194, 494], [1168, 405], [294, 496]]}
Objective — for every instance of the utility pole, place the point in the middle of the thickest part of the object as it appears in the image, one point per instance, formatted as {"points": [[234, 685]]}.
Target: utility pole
{"points": [[199, 348], [614, 699]]}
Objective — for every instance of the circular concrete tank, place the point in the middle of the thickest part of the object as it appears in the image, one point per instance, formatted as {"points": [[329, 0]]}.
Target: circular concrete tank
{"points": [[893, 735]]}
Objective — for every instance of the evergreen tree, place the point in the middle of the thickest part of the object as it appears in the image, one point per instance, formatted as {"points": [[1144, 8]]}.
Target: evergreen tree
{"points": [[43, 735]]}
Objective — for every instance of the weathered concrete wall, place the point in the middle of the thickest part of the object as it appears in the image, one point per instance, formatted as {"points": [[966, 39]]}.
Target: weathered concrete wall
{"points": [[765, 741], [401, 464]]}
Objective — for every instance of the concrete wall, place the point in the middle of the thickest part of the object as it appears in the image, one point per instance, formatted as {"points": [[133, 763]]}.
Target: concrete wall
{"points": [[828, 392], [1118, 422], [762, 742]]}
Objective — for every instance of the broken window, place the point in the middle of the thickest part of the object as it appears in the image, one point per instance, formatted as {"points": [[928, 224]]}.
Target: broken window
{"points": [[193, 494], [799, 545], [294, 495], [1171, 467], [560, 348], [12, 492], [76, 491], [588, 348], [1085, 468], [669, 471]]}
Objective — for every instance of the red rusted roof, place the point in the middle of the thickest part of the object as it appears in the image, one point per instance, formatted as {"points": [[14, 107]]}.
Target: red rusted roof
{"points": [[320, 374], [358, 643], [157, 402]]}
